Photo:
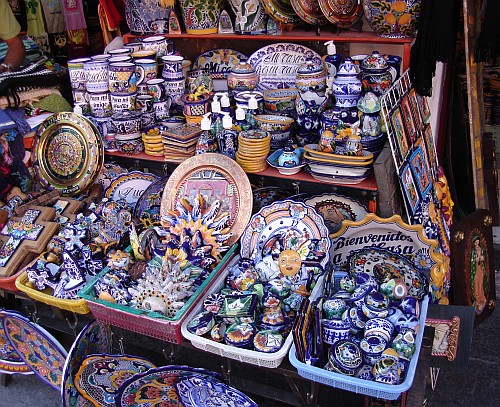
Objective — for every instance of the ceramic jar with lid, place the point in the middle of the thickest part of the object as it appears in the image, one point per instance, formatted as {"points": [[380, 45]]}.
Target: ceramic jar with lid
{"points": [[311, 76], [370, 121], [375, 74], [242, 77], [345, 357], [346, 87]]}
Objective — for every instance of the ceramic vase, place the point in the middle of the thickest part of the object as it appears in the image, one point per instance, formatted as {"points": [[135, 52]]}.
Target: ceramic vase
{"points": [[201, 16], [250, 16], [146, 17], [242, 78], [393, 18], [346, 87]]}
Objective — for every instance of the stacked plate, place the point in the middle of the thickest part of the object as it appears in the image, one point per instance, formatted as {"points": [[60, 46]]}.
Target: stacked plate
{"points": [[253, 148], [337, 168], [179, 142], [153, 143]]}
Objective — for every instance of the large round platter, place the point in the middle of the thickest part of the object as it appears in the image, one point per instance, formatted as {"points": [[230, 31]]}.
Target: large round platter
{"points": [[100, 376], [199, 392], [214, 176], [309, 11], [277, 64], [219, 61], [279, 217], [147, 208], [336, 208], [129, 187], [10, 361], [374, 261], [67, 153], [95, 337], [282, 11], [38, 348], [145, 389], [342, 13]]}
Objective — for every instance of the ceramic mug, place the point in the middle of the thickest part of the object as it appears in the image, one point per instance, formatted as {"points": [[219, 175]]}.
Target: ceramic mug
{"points": [[160, 44], [77, 74], [144, 103], [96, 76], [148, 120], [120, 58], [100, 57], [156, 88], [121, 103], [142, 89], [123, 78], [146, 68], [100, 104], [127, 122], [175, 89], [133, 46], [162, 109], [119, 51]]}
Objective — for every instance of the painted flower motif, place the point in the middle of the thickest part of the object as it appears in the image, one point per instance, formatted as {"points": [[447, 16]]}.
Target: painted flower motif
{"points": [[258, 223], [298, 211]]}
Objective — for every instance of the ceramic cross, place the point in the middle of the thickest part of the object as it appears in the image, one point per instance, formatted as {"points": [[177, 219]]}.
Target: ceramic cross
{"points": [[26, 235], [67, 209]]}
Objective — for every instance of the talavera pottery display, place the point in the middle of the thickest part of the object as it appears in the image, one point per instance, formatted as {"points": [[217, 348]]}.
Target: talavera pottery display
{"points": [[201, 16], [393, 18]]}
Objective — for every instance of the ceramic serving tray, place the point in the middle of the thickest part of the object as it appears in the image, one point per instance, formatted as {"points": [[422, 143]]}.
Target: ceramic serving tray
{"points": [[95, 337], [288, 217], [214, 176], [147, 208], [67, 153], [10, 361], [219, 61], [339, 155], [332, 169], [100, 376], [129, 187], [340, 161], [37, 347], [277, 64], [336, 208], [157, 386]]}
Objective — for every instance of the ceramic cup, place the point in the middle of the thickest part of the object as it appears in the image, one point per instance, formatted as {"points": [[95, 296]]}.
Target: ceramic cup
{"points": [[146, 68], [143, 54], [162, 109], [100, 104], [175, 89], [142, 89], [96, 76], [121, 103], [122, 78], [130, 143], [120, 58], [172, 67], [119, 51], [144, 103], [161, 45], [100, 57], [133, 46], [127, 123], [156, 88], [77, 74]]}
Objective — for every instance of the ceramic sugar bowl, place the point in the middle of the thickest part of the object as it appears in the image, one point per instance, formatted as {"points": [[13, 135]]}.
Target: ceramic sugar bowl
{"points": [[376, 305], [311, 76], [242, 78], [375, 74]]}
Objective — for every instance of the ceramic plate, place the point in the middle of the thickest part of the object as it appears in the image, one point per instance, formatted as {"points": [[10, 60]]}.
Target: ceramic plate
{"points": [[147, 208], [334, 179], [336, 208], [309, 11], [282, 11], [341, 161], [67, 153], [37, 347], [383, 264], [219, 61], [277, 64], [295, 219], [199, 392], [214, 176], [340, 171], [342, 13], [129, 187], [95, 337], [10, 361], [157, 386], [100, 376]]}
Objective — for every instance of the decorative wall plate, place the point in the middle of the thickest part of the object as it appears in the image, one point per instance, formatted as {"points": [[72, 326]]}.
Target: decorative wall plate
{"points": [[309, 11], [37, 347], [283, 216], [10, 361], [100, 376], [277, 64], [129, 187], [381, 263], [342, 13], [67, 153], [95, 337], [336, 208], [214, 176], [157, 386], [219, 60], [282, 11], [199, 392], [147, 208]]}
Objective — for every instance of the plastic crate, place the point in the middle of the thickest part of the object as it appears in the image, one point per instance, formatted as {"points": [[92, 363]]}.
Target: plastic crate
{"points": [[270, 360], [147, 323], [366, 387]]}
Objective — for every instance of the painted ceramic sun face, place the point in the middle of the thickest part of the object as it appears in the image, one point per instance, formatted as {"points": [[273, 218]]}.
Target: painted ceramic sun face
{"points": [[289, 262]]}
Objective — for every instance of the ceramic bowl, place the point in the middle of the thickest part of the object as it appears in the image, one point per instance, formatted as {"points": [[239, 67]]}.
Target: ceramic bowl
{"points": [[379, 327], [310, 103], [173, 121], [280, 100], [127, 122], [315, 82], [273, 122], [272, 160], [130, 144]]}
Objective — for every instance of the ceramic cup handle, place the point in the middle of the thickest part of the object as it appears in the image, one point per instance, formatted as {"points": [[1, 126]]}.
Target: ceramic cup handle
{"points": [[140, 73]]}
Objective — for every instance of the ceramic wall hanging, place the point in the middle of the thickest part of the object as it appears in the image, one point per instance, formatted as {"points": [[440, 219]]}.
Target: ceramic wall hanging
{"points": [[309, 11], [342, 13], [201, 16], [100, 376], [68, 153], [37, 347], [146, 16], [10, 361], [393, 18], [215, 177], [277, 64], [219, 61], [129, 187], [94, 338]]}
